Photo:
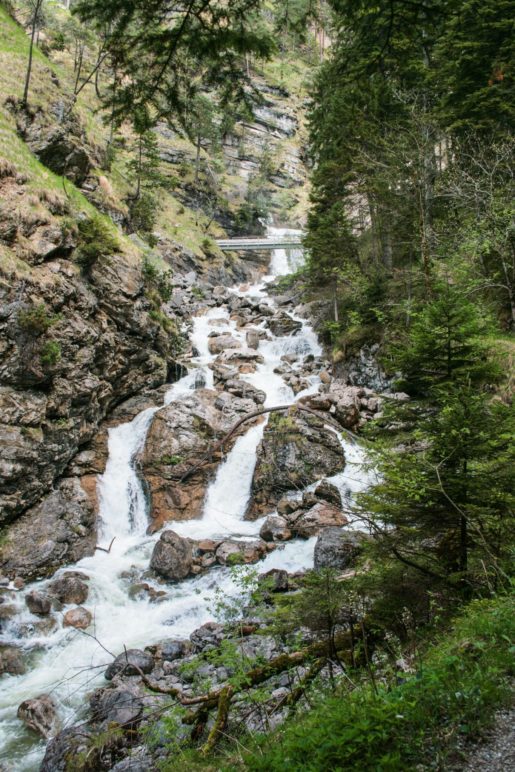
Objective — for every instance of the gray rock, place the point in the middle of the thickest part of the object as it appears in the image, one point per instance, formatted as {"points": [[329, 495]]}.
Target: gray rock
{"points": [[338, 548], [139, 761], [118, 706], [129, 663], [169, 651], [275, 580], [69, 588], [172, 557], [67, 745], [275, 528], [328, 492], [283, 324], [38, 603], [211, 634], [321, 516]]}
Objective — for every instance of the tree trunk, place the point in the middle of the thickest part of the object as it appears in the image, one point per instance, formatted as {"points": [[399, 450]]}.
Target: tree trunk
{"points": [[31, 52]]}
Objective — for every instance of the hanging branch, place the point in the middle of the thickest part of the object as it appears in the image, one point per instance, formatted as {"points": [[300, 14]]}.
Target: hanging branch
{"points": [[256, 414]]}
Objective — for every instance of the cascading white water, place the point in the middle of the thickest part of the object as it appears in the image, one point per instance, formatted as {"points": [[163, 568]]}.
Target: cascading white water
{"points": [[68, 663]]}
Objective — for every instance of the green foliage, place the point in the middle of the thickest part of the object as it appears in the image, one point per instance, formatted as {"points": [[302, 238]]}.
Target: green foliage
{"points": [[96, 242], [157, 279], [164, 60], [50, 353], [442, 502], [452, 696], [36, 321], [445, 345], [143, 212], [171, 460]]}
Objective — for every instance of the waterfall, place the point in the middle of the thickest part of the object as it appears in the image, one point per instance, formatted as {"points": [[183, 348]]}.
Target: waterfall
{"points": [[69, 664]]}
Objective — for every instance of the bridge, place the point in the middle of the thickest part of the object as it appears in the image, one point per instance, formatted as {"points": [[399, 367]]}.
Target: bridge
{"points": [[241, 244]]}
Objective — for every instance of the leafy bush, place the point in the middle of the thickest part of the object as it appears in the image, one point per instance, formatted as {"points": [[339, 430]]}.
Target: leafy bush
{"points": [[35, 321], [154, 277], [458, 686], [96, 241], [50, 353]]}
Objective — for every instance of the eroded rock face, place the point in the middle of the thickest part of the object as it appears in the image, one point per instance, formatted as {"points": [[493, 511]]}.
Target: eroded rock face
{"points": [[40, 715], [60, 529], [296, 450]]}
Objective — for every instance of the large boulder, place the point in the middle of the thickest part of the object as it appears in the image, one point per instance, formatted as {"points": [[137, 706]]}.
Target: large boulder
{"points": [[328, 492], [69, 588], [63, 750], [310, 523], [172, 557], [296, 450], [218, 343], [117, 706], [338, 548], [178, 442], [208, 635], [39, 714], [130, 663]]}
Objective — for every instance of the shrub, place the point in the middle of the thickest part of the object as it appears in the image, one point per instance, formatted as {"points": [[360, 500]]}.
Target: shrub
{"points": [[35, 321], [50, 353], [414, 724], [96, 241], [155, 278]]}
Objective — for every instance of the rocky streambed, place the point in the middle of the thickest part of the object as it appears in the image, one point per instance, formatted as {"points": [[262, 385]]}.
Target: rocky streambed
{"points": [[244, 460]]}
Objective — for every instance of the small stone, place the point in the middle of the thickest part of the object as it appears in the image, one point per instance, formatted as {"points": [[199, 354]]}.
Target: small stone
{"points": [[11, 661], [38, 603], [275, 528], [325, 377], [79, 617], [18, 583]]}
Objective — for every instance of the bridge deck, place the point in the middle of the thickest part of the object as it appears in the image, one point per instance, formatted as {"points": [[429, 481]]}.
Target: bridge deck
{"points": [[237, 245]]}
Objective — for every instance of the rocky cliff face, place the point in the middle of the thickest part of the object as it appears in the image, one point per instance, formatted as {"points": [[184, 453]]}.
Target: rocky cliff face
{"points": [[73, 346]]}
